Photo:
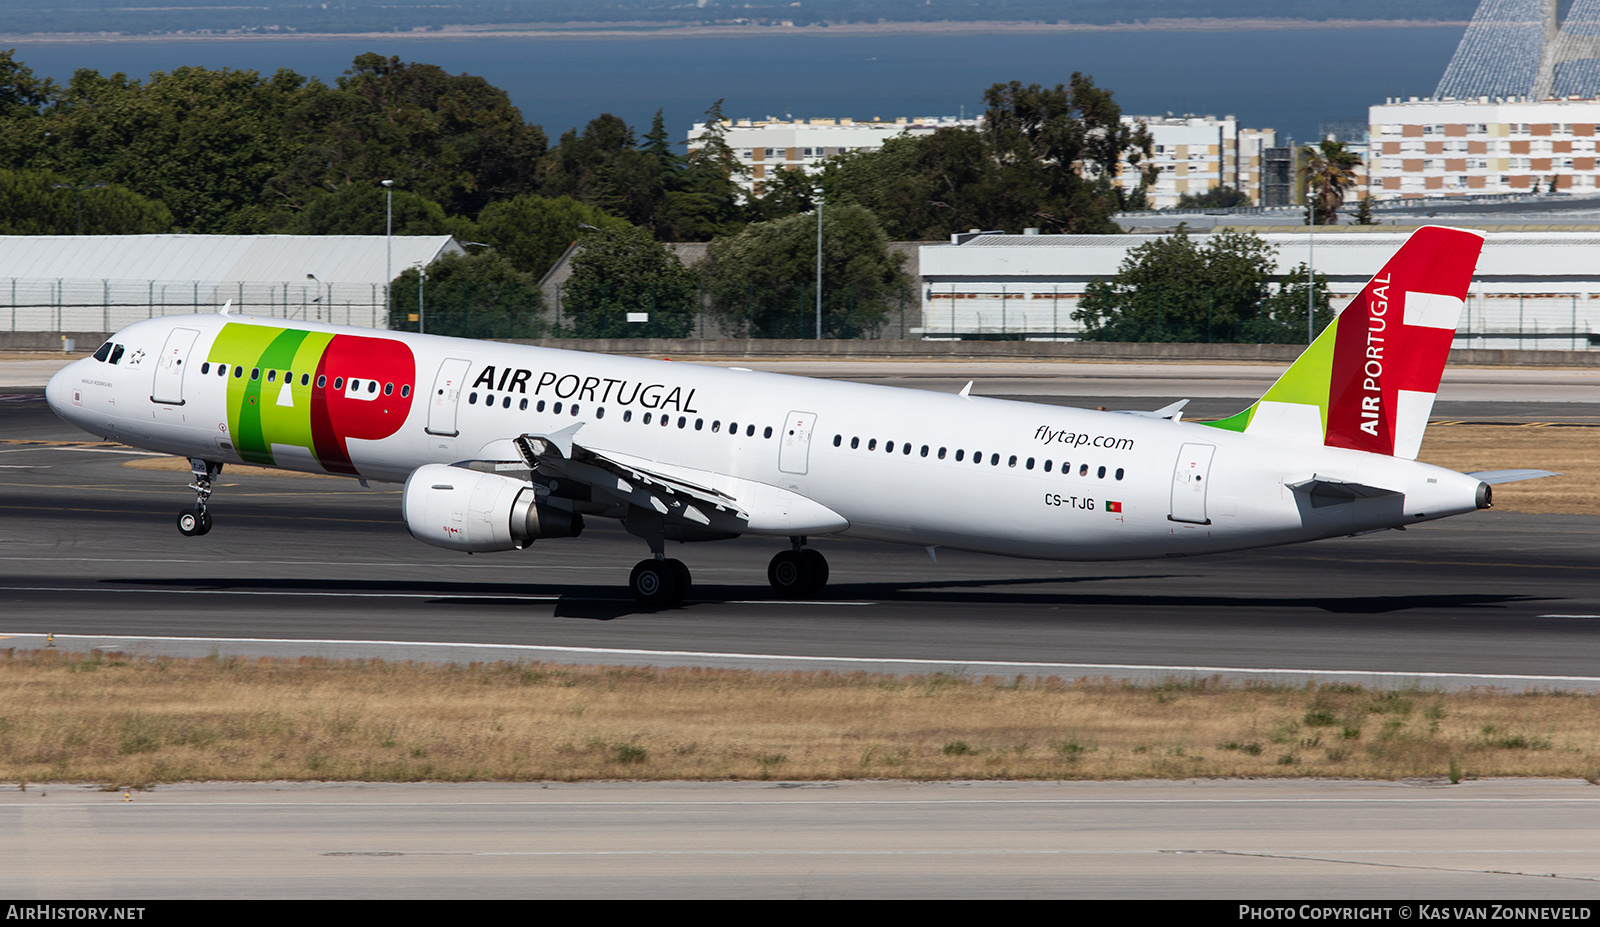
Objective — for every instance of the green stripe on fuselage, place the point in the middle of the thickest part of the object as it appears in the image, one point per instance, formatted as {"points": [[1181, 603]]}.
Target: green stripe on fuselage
{"points": [[256, 418]]}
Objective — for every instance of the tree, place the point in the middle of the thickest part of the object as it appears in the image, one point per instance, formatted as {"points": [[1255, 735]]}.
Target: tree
{"points": [[470, 296], [1219, 197], [1329, 170], [1171, 289], [532, 232], [33, 203], [455, 139], [704, 201], [362, 208], [762, 281], [623, 269]]}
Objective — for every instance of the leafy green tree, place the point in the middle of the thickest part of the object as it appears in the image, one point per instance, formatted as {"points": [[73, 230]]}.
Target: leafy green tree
{"points": [[623, 269], [455, 139], [532, 232], [21, 93], [1045, 158], [762, 281], [33, 203], [362, 208], [1283, 316], [704, 201], [1219, 197], [470, 296], [1329, 171], [1171, 289]]}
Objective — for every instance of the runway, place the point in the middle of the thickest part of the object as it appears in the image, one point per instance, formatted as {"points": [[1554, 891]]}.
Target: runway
{"points": [[306, 565]]}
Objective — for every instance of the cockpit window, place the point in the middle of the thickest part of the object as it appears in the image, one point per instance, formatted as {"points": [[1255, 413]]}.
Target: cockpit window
{"points": [[103, 353], [116, 353]]}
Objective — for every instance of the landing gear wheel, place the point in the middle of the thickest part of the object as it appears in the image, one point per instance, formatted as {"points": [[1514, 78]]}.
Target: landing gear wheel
{"points": [[680, 570], [819, 568], [194, 522], [655, 583], [790, 573]]}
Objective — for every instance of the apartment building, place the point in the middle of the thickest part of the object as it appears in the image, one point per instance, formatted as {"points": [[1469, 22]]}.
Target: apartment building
{"points": [[1466, 147], [1195, 154], [765, 146]]}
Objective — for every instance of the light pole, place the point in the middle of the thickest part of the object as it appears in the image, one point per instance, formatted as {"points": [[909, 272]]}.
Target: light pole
{"points": [[388, 243], [318, 300], [422, 317], [79, 191], [817, 192]]}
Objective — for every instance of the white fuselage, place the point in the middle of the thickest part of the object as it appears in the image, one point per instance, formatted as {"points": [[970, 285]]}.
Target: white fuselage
{"points": [[933, 469]]}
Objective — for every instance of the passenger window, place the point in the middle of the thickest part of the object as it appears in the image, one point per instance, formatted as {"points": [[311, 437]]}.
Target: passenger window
{"points": [[405, 390], [472, 398], [906, 449], [338, 383], [322, 381], [1119, 473], [255, 373], [1102, 473], [272, 376], [838, 440], [388, 389], [222, 370], [539, 407], [1083, 470], [555, 409], [872, 445], [355, 385], [977, 457], [667, 420], [627, 415], [1030, 463], [855, 443], [994, 460], [205, 368], [647, 418], [574, 409], [924, 450], [767, 433], [888, 447], [960, 455], [372, 386], [238, 372], [750, 431], [1013, 461], [1047, 466], [941, 453], [521, 406], [698, 423], [716, 426], [682, 421], [504, 403]]}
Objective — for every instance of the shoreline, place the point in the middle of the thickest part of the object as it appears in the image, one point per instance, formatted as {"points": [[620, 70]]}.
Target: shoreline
{"points": [[581, 31]]}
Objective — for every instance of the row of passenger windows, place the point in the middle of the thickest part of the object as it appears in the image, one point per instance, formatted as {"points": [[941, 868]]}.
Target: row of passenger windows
{"points": [[647, 418], [356, 383], [905, 448]]}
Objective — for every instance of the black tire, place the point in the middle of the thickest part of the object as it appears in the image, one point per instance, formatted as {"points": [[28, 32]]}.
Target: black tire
{"points": [[790, 573], [205, 522], [192, 523], [680, 570], [819, 568], [654, 583]]}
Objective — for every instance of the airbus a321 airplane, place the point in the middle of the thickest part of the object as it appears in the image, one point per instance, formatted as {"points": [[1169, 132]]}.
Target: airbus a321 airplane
{"points": [[499, 445]]}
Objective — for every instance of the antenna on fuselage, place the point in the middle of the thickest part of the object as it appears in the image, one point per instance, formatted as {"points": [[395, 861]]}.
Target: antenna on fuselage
{"points": [[226, 308], [966, 391]]}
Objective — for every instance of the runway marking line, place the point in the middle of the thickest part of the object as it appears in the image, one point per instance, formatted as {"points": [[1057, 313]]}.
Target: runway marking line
{"points": [[901, 661]]}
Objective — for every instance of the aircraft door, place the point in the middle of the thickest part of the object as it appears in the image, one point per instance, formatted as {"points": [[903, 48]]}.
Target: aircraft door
{"points": [[168, 386], [1190, 477], [446, 396], [795, 448]]}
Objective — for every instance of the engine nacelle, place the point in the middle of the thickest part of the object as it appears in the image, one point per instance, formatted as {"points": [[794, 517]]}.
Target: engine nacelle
{"points": [[461, 509]]}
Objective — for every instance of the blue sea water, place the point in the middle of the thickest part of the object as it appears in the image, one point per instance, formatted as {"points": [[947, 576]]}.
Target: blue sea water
{"points": [[1291, 80]]}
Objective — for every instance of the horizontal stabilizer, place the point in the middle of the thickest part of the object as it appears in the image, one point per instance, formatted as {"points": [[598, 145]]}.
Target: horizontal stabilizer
{"points": [[1496, 477], [1173, 411]]}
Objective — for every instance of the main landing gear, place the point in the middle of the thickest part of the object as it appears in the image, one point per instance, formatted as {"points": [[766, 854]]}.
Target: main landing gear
{"points": [[799, 571], [661, 582], [197, 521]]}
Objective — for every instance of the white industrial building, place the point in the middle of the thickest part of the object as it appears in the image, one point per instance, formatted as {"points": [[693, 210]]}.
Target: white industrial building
{"points": [[100, 283], [1532, 289]]}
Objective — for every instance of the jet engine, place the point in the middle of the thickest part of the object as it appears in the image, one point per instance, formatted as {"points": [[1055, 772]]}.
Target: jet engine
{"points": [[461, 509]]}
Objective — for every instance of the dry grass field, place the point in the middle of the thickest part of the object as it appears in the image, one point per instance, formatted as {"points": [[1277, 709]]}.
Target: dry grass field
{"points": [[1572, 451], [129, 722]]}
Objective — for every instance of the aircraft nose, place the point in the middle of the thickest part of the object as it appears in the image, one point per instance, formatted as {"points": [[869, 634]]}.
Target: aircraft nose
{"points": [[58, 392]]}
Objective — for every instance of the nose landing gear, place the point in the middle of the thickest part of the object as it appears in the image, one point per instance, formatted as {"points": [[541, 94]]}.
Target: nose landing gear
{"points": [[197, 521]]}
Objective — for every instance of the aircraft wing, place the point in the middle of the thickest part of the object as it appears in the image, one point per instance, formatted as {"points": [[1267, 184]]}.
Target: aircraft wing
{"points": [[558, 455]]}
